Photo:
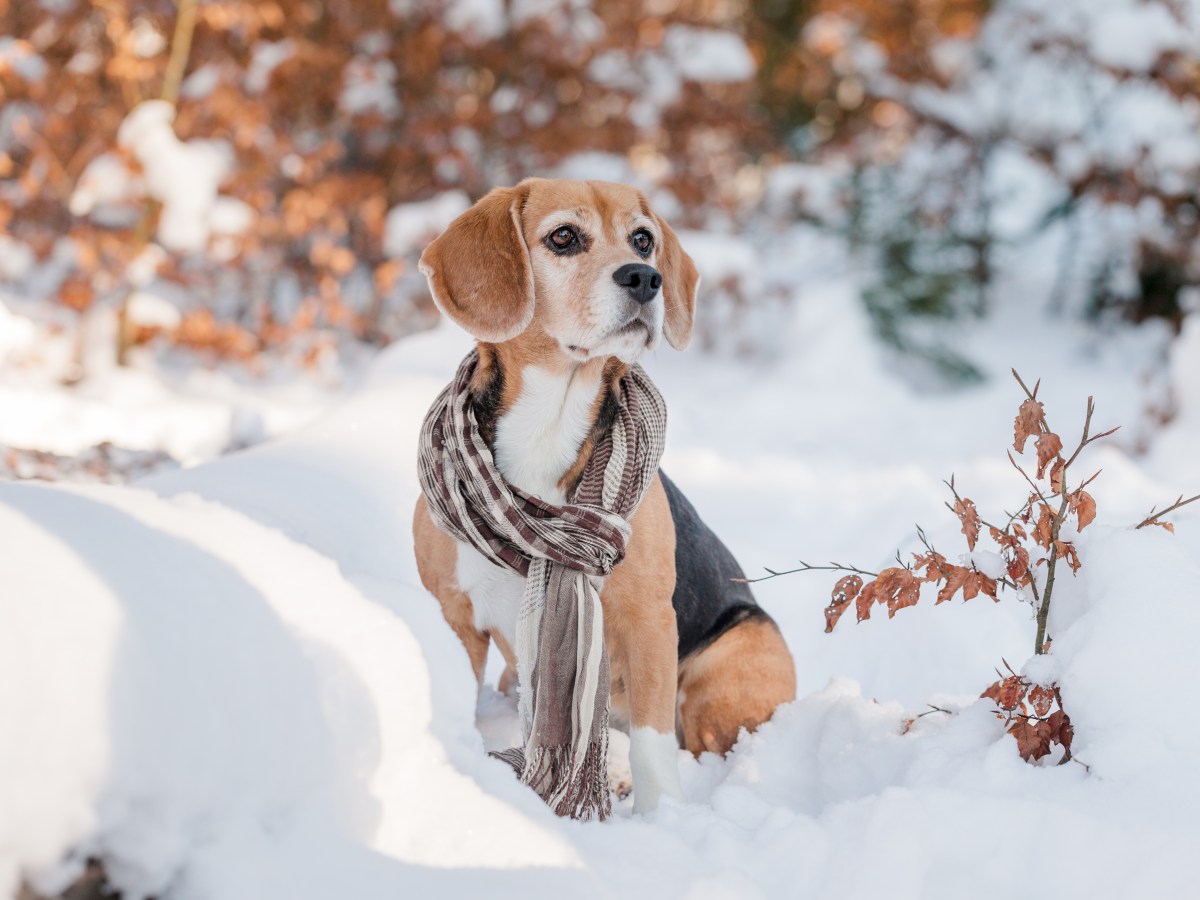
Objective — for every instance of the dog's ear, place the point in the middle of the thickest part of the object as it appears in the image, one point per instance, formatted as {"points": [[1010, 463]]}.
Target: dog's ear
{"points": [[680, 281], [479, 271]]}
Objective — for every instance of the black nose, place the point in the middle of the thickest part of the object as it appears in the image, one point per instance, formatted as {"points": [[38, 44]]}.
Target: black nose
{"points": [[642, 281]]}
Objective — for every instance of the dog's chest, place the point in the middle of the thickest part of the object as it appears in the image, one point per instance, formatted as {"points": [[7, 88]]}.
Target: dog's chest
{"points": [[537, 442]]}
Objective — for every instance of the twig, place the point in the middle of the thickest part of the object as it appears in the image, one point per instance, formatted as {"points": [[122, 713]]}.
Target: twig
{"points": [[1154, 516], [932, 709], [181, 48], [1036, 490], [1032, 395], [805, 567]]}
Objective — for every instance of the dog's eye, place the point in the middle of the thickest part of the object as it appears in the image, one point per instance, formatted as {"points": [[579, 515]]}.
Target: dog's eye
{"points": [[643, 241], [562, 238]]}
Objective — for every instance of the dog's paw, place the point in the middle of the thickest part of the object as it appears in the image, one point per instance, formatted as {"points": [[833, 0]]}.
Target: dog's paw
{"points": [[620, 784], [620, 775], [507, 685]]}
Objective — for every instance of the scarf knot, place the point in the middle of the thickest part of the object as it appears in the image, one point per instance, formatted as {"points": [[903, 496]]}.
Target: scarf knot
{"points": [[564, 553]]}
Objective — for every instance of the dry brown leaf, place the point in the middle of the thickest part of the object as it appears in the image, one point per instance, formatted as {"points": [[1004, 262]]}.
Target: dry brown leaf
{"points": [[956, 579], [1056, 475], [1007, 693], [866, 598], [897, 587], [968, 515], [1026, 423], [1060, 727], [1049, 445], [1033, 738], [1044, 529], [1041, 698], [843, 595], [1018, 566], [933, 563], [1066, 550], [1084, 506]]}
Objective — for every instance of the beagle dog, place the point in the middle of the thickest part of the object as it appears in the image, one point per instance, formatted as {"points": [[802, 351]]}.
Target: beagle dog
{"points": [[565, 284]]}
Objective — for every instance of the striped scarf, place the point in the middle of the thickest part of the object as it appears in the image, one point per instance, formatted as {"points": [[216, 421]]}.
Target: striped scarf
{"points": [[564, 553]]}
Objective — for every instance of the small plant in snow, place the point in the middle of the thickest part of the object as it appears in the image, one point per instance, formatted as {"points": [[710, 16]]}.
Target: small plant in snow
{"points": [[1030, 545]]}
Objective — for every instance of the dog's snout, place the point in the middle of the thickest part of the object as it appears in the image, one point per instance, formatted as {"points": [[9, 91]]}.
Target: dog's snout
{"points": [[642, 281]]}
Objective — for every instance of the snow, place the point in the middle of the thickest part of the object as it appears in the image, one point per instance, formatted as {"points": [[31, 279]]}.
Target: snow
{"points": [[161, 403], [15, 259], [226, 681], [1135, 37], [19, 56], [409, 226], [990, 564], [1038, 104], [708, 55], [369, 86], [183, 175], [229, 682], [106, 181], [480, 19], [266, 57], [152, 311]]}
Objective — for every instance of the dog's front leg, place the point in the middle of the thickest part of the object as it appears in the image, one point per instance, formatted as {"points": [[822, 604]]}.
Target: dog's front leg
{"points": [[651, 666]]}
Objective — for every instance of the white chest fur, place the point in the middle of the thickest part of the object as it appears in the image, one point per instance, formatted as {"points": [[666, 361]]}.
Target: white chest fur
{"points": [[537, 441]]}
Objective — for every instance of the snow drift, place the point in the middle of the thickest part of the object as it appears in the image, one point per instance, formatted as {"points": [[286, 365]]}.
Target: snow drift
{"points": [[227, 682]]}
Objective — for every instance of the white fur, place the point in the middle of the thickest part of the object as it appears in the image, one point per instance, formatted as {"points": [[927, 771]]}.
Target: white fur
{"points": [[591, 323], [654, 764], [537, 441]]}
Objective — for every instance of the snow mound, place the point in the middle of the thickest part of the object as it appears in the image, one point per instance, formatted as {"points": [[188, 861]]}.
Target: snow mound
{"points": [[183, 175], [227, 682]]}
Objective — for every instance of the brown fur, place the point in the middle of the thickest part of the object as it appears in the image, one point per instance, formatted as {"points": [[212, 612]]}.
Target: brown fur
{"points": [[497, 299], [639, 621], [513, 299], [736, 682]]}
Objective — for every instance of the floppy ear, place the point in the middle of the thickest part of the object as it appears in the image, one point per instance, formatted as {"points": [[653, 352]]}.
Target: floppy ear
{"points": [[478, 268], [680, 281]]}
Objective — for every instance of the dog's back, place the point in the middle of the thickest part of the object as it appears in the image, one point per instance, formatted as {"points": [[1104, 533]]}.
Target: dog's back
{"points": [[709, 599]]}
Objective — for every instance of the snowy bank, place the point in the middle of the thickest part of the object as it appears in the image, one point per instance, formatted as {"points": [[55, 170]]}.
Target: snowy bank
{"points": [[227, 682]]}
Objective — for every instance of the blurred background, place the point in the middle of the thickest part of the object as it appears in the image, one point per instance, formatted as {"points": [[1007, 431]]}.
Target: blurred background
{"points": [[210, 212]]}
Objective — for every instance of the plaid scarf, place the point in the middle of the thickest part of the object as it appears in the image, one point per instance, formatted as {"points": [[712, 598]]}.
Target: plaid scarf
{"points": [[564, 553]]}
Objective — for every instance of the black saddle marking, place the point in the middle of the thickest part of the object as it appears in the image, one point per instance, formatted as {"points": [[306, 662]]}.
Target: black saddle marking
{"points": [[707, 599]]}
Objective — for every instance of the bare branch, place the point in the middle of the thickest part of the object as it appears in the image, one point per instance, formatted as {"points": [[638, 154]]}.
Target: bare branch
{"points": [[1032, 395], [805, 567], [1037, 490], [934, 709], [1155, 516]]}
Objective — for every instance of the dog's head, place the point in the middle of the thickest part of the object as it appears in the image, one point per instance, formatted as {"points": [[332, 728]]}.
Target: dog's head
{"points": [[585, 263]]}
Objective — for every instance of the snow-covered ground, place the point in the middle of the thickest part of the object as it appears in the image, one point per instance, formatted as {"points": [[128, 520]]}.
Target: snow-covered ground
{"points": [[227, 682], [62, 394]]}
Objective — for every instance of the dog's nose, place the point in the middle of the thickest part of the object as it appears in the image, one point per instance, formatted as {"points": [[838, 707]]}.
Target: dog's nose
{"points": [[642, 281]]}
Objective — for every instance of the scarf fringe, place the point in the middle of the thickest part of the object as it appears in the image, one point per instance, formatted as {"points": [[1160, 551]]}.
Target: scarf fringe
{"points": [[581, 793], [584, 796]]}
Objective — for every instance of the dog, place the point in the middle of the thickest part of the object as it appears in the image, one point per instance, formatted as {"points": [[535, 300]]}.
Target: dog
{"points": [[564, 285]]}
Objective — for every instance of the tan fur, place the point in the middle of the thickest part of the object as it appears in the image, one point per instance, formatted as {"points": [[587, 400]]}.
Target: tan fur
{"points": [[491, 273], [680, 279], [436, 558], [736, 682], [639, 621], [493, 301]]}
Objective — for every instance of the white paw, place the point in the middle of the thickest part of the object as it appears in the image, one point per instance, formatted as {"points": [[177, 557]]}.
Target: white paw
{"points": [[620, 777], [654, 763]]}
